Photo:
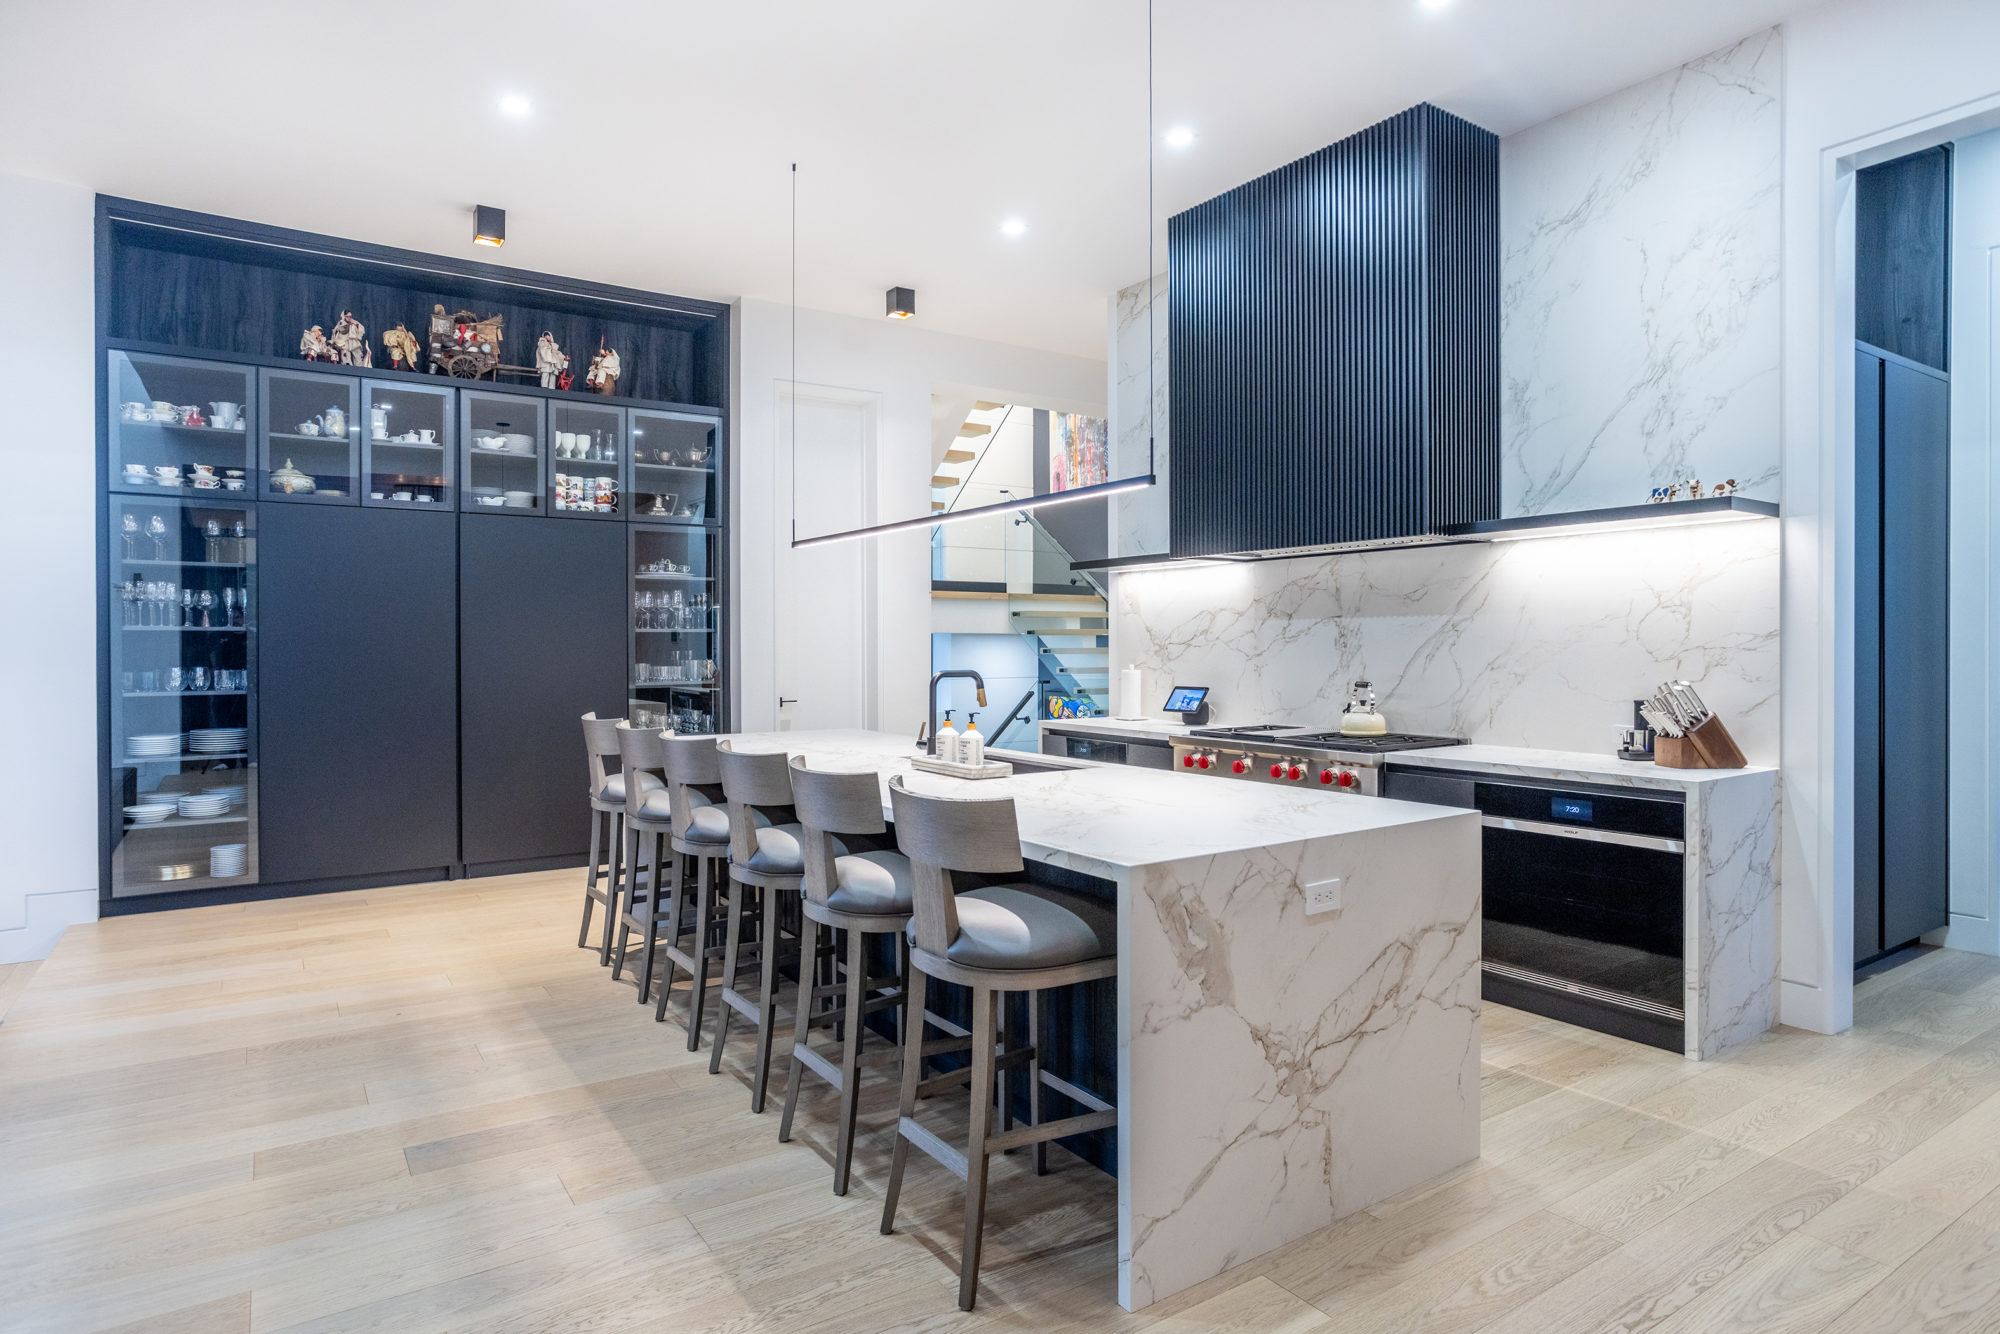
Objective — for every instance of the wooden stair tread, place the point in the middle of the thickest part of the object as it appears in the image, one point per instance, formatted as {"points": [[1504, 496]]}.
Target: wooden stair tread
{"points": [[959, 456]]}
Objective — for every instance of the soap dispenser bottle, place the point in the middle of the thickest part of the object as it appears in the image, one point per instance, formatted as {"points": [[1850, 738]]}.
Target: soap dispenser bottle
{"points": [[947, 740], [972, 746]]}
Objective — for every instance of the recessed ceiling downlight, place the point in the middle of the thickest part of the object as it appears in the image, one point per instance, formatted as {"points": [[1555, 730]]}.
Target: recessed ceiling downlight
{"points": [[1435, 5], [1180, 137], [1013, 227], [516, 106]]}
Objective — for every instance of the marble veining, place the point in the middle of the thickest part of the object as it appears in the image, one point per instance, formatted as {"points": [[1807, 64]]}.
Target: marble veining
{"points": [[1639, 288], [1732, 929], [1139, 519], [1540, 643]]}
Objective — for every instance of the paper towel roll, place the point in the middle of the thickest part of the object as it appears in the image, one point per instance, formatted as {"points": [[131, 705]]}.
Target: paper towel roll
{"points": [[1131, 699]]}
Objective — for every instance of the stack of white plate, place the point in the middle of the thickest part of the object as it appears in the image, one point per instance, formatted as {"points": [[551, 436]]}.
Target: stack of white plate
{"points": [[202, 805], [217, 740], [226, 860], [234, 793], [149, 812], [519, 500], [152, 745]]}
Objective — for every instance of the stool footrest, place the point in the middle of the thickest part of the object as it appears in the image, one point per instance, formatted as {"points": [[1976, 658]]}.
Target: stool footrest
{"points": [[818, 1064], [1048, 1130], [1075, 1094], [953, 1160], [740, 1003]]}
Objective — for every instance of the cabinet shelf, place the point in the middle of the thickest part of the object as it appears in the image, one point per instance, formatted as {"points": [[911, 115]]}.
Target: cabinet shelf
{"points": [[700, 469], [338, 441], [434, 446], [656, 630], [674, 578], [688, 686], [190, 564], [182, 694], [187, 629], [179, 822], [134, 761], [124, 425]]}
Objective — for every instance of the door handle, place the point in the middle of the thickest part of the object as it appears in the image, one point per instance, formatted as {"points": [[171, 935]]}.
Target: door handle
{"points": [[782, 701]]}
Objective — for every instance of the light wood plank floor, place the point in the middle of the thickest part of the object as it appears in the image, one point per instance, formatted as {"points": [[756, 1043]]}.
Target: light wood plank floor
{"points": [[422, 1109]]}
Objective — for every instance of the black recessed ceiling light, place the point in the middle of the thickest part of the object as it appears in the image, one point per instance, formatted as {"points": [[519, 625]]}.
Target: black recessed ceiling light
{"points": [[902, 303], [489, 225]]}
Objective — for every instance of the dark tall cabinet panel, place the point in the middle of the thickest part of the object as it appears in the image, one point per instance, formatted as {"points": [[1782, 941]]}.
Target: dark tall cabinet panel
{"points": [[542, 641], [359, 705]]}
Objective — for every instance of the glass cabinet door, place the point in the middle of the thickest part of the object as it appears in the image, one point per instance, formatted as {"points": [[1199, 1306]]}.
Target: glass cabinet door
{"points": [[183, 740], [178, 425], [309, 449], [673, 465], [406, 445], [500, 449], [586, 443], [676, 653]]}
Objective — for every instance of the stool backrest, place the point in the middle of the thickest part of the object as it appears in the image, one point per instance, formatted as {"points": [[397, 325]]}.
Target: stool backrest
{"points": [[694, 777], [941, 835], [640, 749], [829, 804], [759, 788], [600, 743]]}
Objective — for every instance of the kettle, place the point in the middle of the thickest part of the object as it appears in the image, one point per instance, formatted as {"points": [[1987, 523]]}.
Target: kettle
{"points": [[1361, 717]]}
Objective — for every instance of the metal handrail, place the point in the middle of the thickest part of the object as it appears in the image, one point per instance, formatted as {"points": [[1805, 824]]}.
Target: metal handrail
{"points": [[1019, 713]]}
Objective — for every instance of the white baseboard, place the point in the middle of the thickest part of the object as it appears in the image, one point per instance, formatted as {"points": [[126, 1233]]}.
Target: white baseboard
{"points": [[44, 919], [1810, 1008]]}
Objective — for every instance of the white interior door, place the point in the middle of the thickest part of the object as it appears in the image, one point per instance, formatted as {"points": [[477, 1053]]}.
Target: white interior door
{"points": [[825, 630], [1975, 581]]}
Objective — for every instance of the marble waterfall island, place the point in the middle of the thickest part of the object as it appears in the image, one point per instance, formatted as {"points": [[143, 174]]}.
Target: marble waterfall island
{"points": [[1276, 1069]]}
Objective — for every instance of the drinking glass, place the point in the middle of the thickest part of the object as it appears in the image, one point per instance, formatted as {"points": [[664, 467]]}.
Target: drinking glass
{"points": [[128, 528], [187, 606], [156, 528], [207, 604], [198, 678]]}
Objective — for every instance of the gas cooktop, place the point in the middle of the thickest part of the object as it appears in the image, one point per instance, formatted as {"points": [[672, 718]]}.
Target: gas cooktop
{"points": [[1297, 736]]}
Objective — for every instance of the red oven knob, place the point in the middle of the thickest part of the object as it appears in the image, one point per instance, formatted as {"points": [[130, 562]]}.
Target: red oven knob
{"points": [[1348, 778], [1187, 761], [1295, 773], [1203, 760], [1277, 771], [1326, 776], [1240, 767]]}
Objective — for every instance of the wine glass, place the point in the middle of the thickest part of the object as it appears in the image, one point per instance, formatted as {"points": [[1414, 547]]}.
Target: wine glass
{"points": [[128, 528], [207, 603], [156, 528], [229, 605], [187, 606]]}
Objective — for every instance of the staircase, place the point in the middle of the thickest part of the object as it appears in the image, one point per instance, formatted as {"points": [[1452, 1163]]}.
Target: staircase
{"points": [[1072, 639]]}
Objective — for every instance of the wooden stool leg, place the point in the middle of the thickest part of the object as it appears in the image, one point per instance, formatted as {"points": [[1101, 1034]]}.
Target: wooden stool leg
{"points": [[906, 1105], [730, 942], [672, 918], [767, 1000], [612, 886], [983, 1038], [850, 1055], [590, 876], [649, 938], [1004, 1105], [630, 902], [1039, 1154], [704, 911], [801, 1035]]}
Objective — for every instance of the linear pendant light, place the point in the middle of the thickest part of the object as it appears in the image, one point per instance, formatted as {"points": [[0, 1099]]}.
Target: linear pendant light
{"points": [[1137, 483]]}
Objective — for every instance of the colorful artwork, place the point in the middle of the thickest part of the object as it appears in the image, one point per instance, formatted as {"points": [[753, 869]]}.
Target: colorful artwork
{"points": [[1078, 454]]}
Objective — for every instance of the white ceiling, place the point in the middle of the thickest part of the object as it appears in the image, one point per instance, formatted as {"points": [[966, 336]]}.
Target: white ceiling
{"points": [[656, 154]]}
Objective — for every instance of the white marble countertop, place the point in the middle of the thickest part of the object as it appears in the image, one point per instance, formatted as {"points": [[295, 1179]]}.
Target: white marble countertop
{"points": [[1106, 819], [1143, 729], [1578, 764]]}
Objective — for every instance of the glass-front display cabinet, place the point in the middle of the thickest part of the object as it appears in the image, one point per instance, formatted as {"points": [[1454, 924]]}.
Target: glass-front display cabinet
{"points": [[586, 444], [309, 449], [676, 650], [182, 741], [179, 426], [500, 452], [673, 466], [407, 446]]}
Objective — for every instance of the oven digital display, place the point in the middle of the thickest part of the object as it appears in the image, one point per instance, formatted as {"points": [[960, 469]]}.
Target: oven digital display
{"points": [[1569, 808]]}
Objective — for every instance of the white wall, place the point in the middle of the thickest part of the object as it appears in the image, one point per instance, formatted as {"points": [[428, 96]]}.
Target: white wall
{"points": [[899, 362], [1005, 661], [48, 673], [1864, 81]]}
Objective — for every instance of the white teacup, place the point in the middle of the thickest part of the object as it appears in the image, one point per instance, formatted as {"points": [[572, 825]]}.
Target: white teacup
{"points": [[427, 436]]}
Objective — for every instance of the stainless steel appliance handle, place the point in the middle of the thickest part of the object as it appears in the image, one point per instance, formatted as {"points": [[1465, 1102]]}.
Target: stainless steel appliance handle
{"points": [[1650, 841]]}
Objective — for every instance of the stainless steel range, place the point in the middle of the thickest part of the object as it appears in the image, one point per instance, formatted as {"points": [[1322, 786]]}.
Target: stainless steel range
{"points": [[1276, 753]]}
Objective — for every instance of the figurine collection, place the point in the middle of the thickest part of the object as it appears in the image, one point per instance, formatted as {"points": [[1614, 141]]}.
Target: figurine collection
{"points": [[461, 344], [1690, 490]]}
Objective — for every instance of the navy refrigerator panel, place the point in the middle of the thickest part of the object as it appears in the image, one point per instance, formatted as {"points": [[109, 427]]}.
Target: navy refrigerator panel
{"points": [[542, 641], [358, 631]]}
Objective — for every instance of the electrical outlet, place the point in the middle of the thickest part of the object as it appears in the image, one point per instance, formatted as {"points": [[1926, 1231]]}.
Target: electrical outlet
{"points": [[1323, 896]]}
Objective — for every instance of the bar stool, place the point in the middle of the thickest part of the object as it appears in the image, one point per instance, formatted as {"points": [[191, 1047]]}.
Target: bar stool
{"points": [[994, 940], [700, 830], [607, 810], [765, 864], [862, 891], [648, 824]]}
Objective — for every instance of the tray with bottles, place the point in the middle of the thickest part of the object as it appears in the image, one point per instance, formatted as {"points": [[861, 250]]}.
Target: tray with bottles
{"points": [[673, 466], [178, 425], [183, 717], [675, 626]]}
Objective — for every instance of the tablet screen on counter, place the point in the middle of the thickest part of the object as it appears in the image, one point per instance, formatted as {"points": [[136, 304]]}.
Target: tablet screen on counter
{"points": [[1186, 699]]}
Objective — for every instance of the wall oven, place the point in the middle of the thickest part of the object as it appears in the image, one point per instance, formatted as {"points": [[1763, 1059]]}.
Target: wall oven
{"points": [[1585, 894]]}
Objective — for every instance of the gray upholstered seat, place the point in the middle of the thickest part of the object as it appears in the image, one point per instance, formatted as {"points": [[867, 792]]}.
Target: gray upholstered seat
{"points": [[1029, 926], [706, 824], [872, 884], [614, 787], [778, 851]]}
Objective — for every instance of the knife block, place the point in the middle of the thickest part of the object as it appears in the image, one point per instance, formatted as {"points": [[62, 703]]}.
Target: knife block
{"points": [[1707, 747]]}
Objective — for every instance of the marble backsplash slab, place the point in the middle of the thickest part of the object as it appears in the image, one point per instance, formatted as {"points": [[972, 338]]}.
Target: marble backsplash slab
{"points": [[1540, 643]]}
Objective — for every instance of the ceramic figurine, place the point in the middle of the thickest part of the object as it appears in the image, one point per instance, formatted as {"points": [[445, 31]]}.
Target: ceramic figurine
{"points": [[1694, 488], [313, 345], [350, 341], [550, 362], [604, 370], [401, 346], [1727, 488]]}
